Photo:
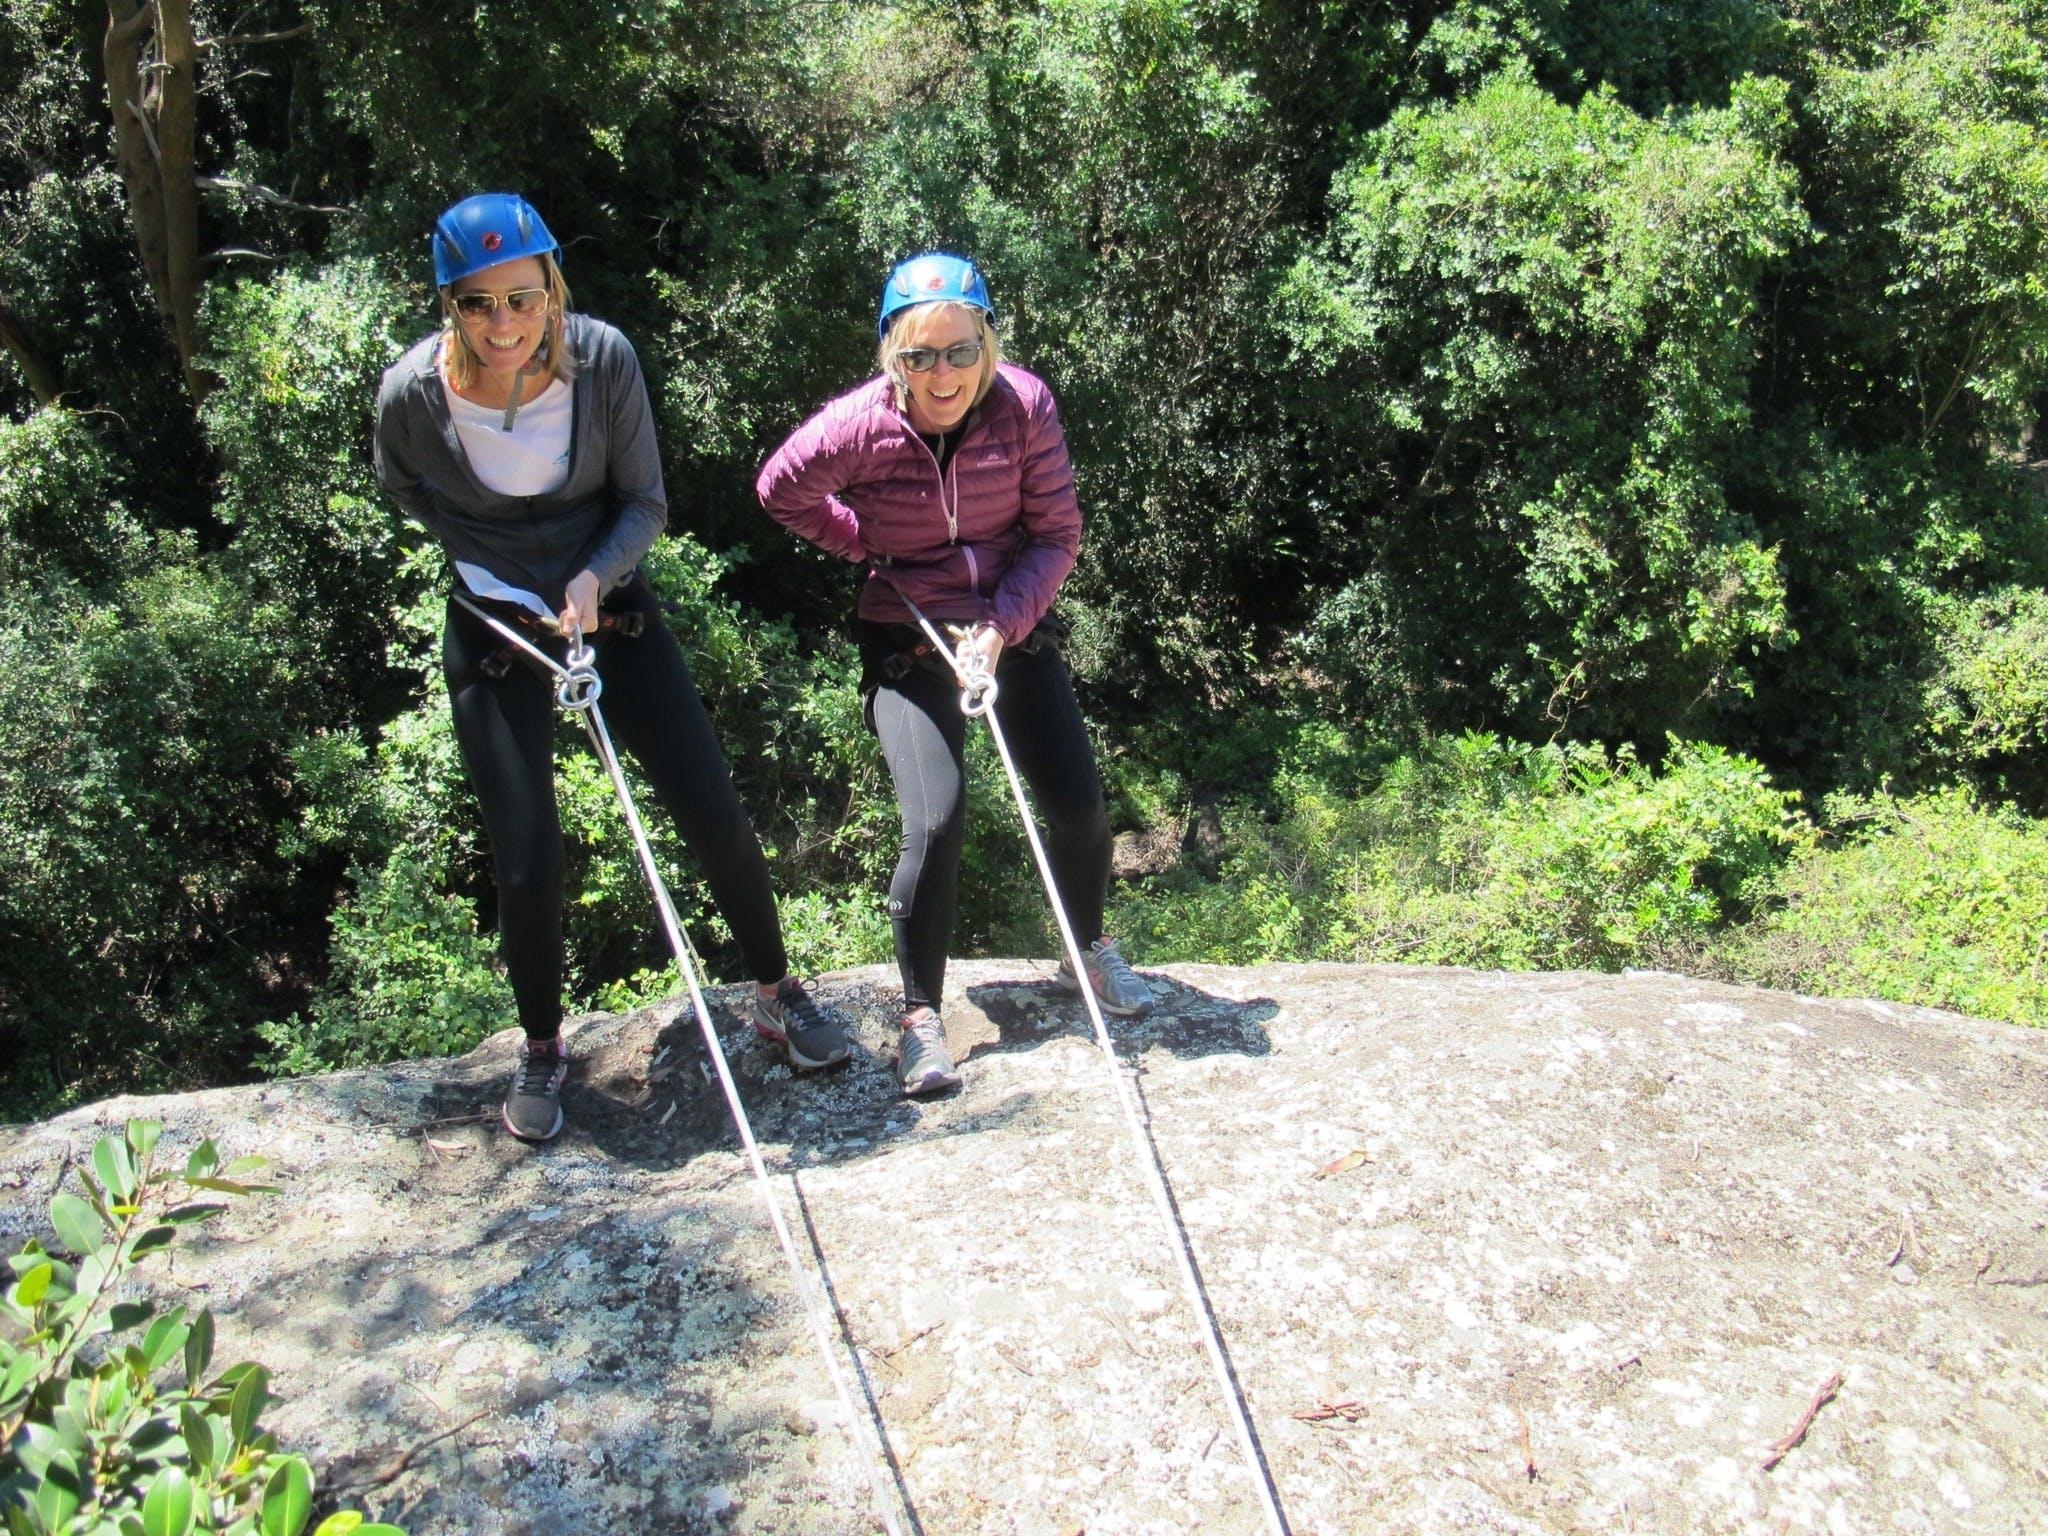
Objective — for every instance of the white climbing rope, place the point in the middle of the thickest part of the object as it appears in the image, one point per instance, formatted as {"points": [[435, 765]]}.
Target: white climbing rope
{"points": [[577, 687], [977, 698]]}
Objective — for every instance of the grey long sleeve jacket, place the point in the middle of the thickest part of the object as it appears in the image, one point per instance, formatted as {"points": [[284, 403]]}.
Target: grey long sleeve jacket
{"points": [[603, 519]]}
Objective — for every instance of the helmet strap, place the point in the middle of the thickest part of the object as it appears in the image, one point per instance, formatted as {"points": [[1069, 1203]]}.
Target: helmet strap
{"points": [[535, 366], [512, 403]]}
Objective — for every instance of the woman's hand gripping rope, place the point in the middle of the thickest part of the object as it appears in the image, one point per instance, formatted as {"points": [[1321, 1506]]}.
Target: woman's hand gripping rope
{"points": [[577, 686], [976, 649], [579, 604]]}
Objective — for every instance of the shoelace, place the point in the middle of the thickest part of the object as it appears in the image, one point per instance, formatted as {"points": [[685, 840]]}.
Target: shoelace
{"points": [[802, 1009], [536, 1073], [1114, 966]]}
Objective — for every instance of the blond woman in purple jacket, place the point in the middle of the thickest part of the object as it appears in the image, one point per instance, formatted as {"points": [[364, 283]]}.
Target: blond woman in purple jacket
{"points": [[947, 476]]}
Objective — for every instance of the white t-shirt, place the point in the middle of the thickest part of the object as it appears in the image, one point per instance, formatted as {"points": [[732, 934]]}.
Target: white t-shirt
{"points": [[530, 460]]}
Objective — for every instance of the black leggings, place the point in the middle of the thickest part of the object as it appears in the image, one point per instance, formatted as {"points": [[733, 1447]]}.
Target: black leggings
{"points": [[923, 734], [506, 728]]}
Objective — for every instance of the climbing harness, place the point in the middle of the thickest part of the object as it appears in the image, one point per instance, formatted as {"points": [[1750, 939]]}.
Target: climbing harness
{"points": [[977, 699], [629, 625], [577, 689]]}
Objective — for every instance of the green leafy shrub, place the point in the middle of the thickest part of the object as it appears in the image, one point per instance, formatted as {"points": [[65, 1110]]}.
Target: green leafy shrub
{"points": [[1890, 485], [299, 357], [410, 976], [112, 1420], [1989, 701], [1480, 852], [1939, 899], [1933, 185], [63, 510]]}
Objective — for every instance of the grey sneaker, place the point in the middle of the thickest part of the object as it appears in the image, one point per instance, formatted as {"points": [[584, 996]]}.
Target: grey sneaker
{"points": [[533, 1106], [1118, 988], [796, 1026], [922, 1064]]}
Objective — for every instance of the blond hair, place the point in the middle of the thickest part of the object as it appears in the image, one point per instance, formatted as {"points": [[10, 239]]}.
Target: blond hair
{"points": [[460, 358], [904, 322]]}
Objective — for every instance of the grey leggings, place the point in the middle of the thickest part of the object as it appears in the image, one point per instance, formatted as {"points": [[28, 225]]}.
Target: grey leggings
{"points": [[916, 714]]}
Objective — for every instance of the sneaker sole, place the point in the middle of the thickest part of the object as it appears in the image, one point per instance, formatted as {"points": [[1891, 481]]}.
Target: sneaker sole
{"points": [[795, 1057], [1134, 1011], [933, 1082], [518, 1135]]}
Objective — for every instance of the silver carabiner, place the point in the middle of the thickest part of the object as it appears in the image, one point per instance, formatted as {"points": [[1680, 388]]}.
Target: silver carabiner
{"points": [[977, 683], [578, 686]]}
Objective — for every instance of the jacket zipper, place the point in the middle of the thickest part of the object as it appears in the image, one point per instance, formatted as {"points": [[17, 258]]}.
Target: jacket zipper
{"points": [[951, 504], [949, 495]]}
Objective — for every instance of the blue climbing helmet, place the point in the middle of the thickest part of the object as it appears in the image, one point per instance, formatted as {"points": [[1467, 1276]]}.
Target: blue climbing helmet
{"points": [[936, 278], [484, 230]]}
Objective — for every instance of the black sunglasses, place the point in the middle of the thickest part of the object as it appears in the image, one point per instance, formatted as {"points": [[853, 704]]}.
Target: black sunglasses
{"points": [[962, 354]]}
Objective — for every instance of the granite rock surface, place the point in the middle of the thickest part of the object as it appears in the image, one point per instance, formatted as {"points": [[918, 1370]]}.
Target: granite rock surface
{"points": [[1490, 1253]]}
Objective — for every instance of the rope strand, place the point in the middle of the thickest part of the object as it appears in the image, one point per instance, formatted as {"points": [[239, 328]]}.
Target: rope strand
{"points": [[977, 697], [577, 687]]}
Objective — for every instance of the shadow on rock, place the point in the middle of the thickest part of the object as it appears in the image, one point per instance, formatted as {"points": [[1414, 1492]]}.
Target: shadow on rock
{"points": [[648, 1097], [642, 1093], [1184, 1020], [537, 1357]]}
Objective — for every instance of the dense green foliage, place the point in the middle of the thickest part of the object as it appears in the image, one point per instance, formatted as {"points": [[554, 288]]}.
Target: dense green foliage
{"points": [[1440, 379], [1931, 900], [112, 1420], [1479, 853]]}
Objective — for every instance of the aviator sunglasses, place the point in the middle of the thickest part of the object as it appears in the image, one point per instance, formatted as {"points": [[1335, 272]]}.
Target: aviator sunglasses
{"points": [[962, 354], [521, 301]]}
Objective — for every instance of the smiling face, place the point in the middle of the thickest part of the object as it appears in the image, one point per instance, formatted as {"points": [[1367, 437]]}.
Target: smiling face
{"points": [[504, 343], [940, 398]]}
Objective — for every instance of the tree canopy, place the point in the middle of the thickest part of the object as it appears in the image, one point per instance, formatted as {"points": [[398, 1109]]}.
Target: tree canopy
{"points": [[1592, 374]]}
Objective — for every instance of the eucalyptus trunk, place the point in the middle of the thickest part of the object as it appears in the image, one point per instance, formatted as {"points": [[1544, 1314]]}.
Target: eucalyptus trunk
{"points": [[151, 66]]}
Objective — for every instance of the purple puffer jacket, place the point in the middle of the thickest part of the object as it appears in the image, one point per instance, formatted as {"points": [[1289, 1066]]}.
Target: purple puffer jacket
{"points": [[992, 542]]}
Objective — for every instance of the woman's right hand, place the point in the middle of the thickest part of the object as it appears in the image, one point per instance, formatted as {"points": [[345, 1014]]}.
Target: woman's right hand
{"points": [[984, 641], [579, 606]]}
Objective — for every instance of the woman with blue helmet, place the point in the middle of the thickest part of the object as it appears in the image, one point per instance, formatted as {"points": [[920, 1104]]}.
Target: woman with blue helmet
{"points": [[520, 435], [947, 475]]}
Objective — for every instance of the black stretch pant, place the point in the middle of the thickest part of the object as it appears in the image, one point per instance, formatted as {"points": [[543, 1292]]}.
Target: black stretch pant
{"points": [[506, 728], [923, 734]]}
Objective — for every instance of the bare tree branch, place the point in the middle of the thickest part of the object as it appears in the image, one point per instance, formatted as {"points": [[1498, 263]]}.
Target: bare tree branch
{"points": [[148, 134], [126, 31], [262, 194], [128, 26], [251, 39], [213, 259], [176, 117]]}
